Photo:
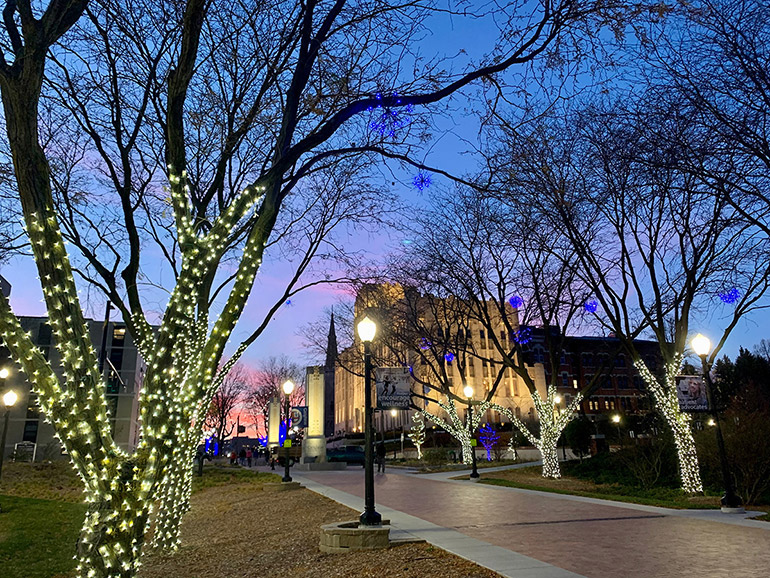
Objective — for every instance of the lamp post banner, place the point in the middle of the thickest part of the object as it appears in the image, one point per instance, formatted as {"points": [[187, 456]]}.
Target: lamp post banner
{"points": [[299, 416], [393, 386], [691, 393]]}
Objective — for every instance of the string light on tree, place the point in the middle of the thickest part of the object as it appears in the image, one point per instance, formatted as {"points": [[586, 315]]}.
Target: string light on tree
{"points": [[489, 438]]}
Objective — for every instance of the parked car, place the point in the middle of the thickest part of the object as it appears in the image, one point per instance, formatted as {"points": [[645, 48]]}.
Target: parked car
{"points": [[349, 454]]}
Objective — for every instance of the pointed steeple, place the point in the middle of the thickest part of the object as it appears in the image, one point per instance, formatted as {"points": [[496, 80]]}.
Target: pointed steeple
{"points": [[329, 367], [331, 345]]}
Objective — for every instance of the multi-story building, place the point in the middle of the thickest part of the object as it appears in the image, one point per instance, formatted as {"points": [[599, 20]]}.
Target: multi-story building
{"points": [[123, 369], [619, 388], [424, 343]]}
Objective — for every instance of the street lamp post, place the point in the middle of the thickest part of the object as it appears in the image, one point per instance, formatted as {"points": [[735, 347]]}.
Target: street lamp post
{"points": [[9, 400], [616, 421], [288, 387], [730, 501], [370, 517], [468, 391]]}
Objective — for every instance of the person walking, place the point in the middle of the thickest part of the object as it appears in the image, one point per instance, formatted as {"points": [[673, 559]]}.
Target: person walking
{"points": [[380, 457], [249, 455]]}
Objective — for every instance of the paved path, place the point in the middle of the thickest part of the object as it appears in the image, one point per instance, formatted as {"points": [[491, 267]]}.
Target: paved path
{"points": [[527, 534]]}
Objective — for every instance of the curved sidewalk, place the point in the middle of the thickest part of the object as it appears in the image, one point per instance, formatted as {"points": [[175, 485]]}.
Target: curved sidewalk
{"points": [[529, 534]]}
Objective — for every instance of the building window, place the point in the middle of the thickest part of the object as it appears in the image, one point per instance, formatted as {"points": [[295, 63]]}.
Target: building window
{"points": [[538, 355], [587, 360], [622, 381], [118, 336], [638, 383], [30, 431], [565, 379], [44, 334], [620, 360]]}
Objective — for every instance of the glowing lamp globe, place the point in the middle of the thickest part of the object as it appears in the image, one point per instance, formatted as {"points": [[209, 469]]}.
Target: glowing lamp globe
{"points": [[4, 373], [10, 397], [393, 412], [701, 344], [288, 387], [366, 329], [468, 391], [557, 399], [616, 418]]}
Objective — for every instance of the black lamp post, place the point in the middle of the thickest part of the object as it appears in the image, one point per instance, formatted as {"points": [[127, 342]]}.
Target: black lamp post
{"points": [[468, 391], [288, 387], [9, 400], [730, 501], [370, 517]]}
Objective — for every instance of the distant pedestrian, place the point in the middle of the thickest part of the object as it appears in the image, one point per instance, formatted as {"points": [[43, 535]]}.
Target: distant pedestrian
{"points": [[249, 455], [380, 457], [242, 457], [233, 457]]}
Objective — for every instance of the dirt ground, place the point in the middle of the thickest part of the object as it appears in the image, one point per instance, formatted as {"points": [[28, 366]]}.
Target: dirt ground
{"points": [[239, 531]]}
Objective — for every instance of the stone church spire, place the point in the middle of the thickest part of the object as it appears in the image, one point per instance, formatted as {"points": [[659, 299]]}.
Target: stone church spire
{"points": [[329, 366]]}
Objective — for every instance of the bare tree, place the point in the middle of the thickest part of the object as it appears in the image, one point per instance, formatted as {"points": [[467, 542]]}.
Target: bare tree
{"points": [[512, 276], [230, 395], [264, 385], [657, 246]]}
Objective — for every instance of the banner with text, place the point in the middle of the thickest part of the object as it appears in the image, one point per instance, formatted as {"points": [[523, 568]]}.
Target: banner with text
{"points": [[393, 386]]}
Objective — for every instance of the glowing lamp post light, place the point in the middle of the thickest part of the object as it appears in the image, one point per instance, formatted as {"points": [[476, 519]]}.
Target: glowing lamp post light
{"points": [[616, 420], [730, 501], [9, 400], [287, 387], [468, 391], [370, 517]]}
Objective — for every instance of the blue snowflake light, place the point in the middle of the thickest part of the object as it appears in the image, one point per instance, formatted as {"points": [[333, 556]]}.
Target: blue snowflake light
{"points": [[388, 121], [591, 305], [421, 181], [425, 344], [516, 302], [489, 437], [731, 296], [449, 356], [522, 336]]}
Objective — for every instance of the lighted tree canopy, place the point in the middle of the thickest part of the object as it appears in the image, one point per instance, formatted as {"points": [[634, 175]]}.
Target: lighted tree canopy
{"points": [[200, 135]]}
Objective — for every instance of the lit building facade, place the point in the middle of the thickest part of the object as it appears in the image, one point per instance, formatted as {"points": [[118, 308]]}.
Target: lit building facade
{"points": [[123, 369], [441, 347]]}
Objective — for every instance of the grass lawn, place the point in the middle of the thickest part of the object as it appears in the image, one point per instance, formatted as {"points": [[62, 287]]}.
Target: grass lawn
{"points": [[42, 514], [37, 537]]}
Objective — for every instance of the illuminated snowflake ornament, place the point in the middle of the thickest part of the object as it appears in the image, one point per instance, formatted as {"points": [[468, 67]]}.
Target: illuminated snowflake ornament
{"points": [[516, 302], [421, 181], [591, 305], [387, 121], [449, 356], [522, 336], [425, 344], [731, 296]]}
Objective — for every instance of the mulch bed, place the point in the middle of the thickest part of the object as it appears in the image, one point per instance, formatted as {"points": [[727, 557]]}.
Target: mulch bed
{"points": [[238, 531]]}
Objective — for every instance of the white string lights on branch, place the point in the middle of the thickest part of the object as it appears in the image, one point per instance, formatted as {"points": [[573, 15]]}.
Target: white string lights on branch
{"points": [[460, 429], [181, 378], [680, 423], [552, 423], [417, 433]]}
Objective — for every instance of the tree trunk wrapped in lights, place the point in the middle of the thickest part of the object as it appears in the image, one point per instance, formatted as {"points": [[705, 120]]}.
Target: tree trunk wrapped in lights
{"points": [[460, 429], [417, 433], [680, 423], [552, 423]]}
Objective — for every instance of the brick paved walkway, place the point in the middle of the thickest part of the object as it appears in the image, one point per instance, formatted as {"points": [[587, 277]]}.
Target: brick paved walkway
{"points": [[591, 539]]}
